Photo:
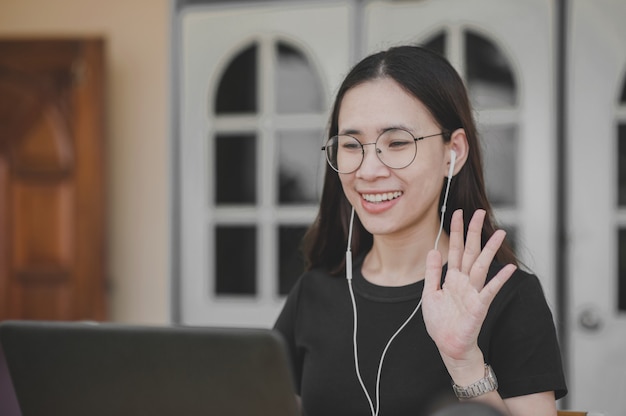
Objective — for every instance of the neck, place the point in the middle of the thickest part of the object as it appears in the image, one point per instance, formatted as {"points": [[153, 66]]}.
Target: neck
{"points": [[394, 261]]}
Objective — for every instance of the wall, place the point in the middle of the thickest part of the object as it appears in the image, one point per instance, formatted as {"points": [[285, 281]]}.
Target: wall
{"points": [[137, 35]]}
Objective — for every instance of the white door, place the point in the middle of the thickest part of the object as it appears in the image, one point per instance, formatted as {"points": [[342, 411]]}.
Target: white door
{"points": [[241, 221], [499, 58], [255, 86], [597, 207], [509, 73]]}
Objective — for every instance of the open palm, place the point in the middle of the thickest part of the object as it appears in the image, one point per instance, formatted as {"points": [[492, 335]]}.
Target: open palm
{"points": [[454, 312]]}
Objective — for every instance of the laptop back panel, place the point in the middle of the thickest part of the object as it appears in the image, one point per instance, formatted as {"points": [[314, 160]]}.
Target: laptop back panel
{"points": [[74, 369]]}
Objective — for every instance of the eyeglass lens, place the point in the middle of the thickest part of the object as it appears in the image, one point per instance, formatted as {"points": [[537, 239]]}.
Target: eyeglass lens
{"points": [[395, 148]]}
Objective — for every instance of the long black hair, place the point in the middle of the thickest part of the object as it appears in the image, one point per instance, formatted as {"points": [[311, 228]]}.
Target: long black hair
{"points": [[430, 78]]}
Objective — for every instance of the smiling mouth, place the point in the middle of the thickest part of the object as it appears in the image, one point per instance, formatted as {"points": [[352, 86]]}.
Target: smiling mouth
{"points": [[387, 196]]}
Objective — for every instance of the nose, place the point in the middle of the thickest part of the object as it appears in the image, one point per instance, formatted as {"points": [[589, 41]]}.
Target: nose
{"points": [[371, 167]]}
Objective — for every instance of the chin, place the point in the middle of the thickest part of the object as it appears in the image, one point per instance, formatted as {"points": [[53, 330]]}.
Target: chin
{"points": [[379, 228]]}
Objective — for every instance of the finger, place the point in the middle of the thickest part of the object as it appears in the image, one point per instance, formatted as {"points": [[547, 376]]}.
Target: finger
{"points": [[455, 249], [480, 267], [473, 241], [492, 288], [432, 278]]}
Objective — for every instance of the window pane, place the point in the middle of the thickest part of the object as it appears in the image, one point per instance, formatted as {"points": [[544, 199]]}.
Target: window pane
{"points": [[237, 90], [291, 259], [299, 164], [499, 144], [489, 78], [621, 281], [235, 259], [437, 43], [298, 88], [235, 169], [621, 164]]}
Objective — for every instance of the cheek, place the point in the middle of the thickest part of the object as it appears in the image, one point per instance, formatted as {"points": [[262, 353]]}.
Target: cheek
{"points": [[419, 171], [346, 181], [347, 185], [425, 183], [431, 171]]}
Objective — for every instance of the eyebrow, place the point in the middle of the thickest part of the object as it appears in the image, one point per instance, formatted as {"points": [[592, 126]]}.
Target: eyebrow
{"points": [[380, 131]]}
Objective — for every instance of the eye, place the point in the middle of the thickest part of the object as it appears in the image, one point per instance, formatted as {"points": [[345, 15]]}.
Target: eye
{"points": [[398, 144], [396, 140], [350, 144]]}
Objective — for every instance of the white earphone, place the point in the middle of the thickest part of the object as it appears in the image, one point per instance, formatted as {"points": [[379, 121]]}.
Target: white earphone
{"points": [[452, 162]]}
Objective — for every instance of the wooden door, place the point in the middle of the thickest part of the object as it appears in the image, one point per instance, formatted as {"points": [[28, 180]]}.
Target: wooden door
{"points": [[52, 235]]}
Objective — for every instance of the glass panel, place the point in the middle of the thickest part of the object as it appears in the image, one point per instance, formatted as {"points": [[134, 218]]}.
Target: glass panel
{"points": [[621, 164], [235, 169], [499, 145], [489, 78], [437, 43], [298, 89], [235, 260], [291, 259], [621, 281], [237, 90], [299, 163]]}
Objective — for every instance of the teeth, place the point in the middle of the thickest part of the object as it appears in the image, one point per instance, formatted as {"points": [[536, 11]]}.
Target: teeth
{"points": [[388, 196]]}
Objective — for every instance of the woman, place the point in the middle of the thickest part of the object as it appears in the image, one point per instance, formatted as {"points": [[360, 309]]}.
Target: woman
{"points": [[434, 306]]}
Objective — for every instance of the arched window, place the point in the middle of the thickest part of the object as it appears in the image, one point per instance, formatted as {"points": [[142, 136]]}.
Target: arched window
{"points": [[267, 115], [493, 90]]}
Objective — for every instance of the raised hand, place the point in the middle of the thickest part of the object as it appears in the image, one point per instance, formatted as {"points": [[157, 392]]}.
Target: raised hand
{"points": [[454, 313]]}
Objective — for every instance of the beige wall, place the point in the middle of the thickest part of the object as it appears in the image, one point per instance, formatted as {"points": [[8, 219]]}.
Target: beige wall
{"points": [[137, 35]]}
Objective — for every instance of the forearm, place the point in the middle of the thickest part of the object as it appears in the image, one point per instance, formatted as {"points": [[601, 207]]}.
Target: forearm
{"points": [[472, 368]]}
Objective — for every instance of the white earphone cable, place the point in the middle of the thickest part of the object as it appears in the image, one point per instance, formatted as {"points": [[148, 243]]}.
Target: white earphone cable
{"points": [[355, 314], [445, 196], [443, 212]]}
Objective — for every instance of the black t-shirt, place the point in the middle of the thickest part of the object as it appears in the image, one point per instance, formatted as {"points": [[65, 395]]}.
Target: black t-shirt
{"points": [[518, 339]]}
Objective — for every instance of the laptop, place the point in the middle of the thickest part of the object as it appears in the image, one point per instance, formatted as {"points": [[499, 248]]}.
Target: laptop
{"points": [[79, 369]]}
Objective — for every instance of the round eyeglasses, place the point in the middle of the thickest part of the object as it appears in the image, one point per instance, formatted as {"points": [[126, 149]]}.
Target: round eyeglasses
{"points": [[395, 148]]}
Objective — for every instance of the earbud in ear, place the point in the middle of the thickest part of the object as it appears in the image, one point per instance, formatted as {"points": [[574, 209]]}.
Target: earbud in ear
{"points": [[452, 162]]}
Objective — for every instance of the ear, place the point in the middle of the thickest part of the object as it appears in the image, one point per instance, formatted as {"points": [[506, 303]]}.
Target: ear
{"points": [[458, 143]]}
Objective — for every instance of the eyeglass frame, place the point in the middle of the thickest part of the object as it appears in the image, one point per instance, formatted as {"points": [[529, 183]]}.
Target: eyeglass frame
{"points": [[415, 139]]}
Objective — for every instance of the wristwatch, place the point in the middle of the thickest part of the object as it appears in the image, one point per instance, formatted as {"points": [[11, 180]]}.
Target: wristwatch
{"points": [[482, 386]]}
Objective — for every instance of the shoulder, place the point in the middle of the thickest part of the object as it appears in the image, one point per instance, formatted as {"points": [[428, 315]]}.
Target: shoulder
{"points": [[523, 289], [518, 338], [522, 297], [315, 283], [520, 280], [315, 294]]}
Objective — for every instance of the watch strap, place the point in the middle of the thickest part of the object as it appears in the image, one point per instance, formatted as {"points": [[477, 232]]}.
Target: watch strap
{"points": [[484, 385]]}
